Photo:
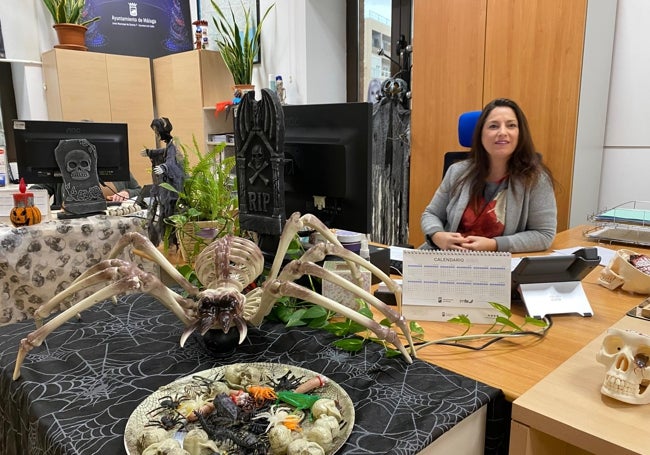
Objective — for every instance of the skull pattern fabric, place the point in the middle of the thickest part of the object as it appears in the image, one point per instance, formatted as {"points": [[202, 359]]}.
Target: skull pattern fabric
{"points": [[37, 262]]}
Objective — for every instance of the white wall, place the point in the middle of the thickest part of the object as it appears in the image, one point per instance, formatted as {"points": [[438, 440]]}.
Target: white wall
{"points": [[304, 41], [594, 89], [626, 157]]}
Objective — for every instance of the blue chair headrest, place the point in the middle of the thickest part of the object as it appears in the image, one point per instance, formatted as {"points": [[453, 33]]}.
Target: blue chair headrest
{"points": [[466, 124]]}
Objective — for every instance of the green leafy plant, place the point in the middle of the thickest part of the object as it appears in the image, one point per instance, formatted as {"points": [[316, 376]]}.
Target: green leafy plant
{"points": [[209, 194], [354, 336], [238, 43], [68, 12]]}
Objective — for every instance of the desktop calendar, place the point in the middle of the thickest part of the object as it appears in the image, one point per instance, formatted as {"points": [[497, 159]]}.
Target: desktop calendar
{"points": [[439, 285]]}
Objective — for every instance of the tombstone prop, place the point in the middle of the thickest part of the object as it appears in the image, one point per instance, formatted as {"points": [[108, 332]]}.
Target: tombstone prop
{"points": [[82, 195], [259, 145]]}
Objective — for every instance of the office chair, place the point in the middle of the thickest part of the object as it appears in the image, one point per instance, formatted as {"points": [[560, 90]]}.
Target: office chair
{"points": [[466, 124]]}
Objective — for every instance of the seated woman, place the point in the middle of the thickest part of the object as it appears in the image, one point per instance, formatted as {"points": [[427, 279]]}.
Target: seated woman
{"points": [[501, 198]]}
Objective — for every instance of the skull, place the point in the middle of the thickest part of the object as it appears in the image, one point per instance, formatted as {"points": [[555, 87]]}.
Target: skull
{"points": [[257, 156], [243, 375], [197, 442], [626, 354], [78, 164], [621, 273]]}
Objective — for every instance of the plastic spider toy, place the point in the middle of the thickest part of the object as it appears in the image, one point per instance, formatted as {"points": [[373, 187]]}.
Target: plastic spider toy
{"points": [[226, 267]]}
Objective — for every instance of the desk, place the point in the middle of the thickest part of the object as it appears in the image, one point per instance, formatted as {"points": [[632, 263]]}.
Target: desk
{"points": [[515, 365], [37, 262], [78, 389], [583, 419]]}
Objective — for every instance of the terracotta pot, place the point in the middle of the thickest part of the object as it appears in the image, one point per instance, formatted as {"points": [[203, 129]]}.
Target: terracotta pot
{"points": [[71, 36], [242, 88]]}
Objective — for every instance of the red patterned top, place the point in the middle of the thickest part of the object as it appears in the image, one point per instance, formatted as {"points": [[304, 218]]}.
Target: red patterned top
{"points": [[489, 220]]}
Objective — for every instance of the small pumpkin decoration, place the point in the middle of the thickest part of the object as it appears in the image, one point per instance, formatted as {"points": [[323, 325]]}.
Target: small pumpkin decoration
{"points": [[24, 212]]}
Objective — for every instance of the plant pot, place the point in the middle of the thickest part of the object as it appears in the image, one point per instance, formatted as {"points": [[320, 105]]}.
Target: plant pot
{"points": [[195, 236], [242, 89], [71, 36]]}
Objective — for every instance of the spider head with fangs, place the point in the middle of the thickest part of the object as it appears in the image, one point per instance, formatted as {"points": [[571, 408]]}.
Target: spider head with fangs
{"points": [[219, 309], [226, 267]]}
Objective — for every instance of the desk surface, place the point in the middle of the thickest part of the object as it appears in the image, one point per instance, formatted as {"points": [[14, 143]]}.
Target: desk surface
{"points": [[78, 389], [583, 417], [515, 365]]}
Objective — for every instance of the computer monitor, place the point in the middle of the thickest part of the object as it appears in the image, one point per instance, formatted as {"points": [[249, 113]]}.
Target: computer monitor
{"points": [[328, 163], [35, 141]]}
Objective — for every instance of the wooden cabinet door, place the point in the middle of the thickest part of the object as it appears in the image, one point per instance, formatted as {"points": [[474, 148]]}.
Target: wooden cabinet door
{"points": [[76, 86], [131, 101], [533, 55], [177, 82], [447, 80]]}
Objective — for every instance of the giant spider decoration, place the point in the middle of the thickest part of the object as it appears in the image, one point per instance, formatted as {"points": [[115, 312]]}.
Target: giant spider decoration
{"points": [[228, 265]]}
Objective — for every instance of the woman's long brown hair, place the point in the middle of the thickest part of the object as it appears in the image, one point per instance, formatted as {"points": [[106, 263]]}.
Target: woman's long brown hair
{"points": [[525, 164]]}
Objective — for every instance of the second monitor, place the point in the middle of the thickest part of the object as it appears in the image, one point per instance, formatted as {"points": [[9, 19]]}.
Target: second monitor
{"points": [[328, 163]]}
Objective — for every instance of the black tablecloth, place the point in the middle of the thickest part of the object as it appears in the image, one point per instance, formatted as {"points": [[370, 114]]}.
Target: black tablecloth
{"points": [[79, 388]]}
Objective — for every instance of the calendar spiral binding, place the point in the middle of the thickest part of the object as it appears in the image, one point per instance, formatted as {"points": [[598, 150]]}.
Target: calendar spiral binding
{"points": [[460, 252]]}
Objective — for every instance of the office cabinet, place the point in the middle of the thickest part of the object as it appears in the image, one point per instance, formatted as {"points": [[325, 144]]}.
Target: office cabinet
{"points": [[188, 85], [100, 87], [537, 53]]}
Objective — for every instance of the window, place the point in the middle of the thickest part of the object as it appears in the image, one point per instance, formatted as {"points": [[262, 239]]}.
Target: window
{"points": [[373, 53]]}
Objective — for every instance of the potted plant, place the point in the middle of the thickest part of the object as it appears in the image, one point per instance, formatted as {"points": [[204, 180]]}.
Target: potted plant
{"points": [[207, 206], [238, 43], [70, 22]]}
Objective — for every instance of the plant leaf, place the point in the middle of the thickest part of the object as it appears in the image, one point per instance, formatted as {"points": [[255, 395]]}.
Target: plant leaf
{"points": [[350, 344], [501, 309], [536, 322], [508, 323]]}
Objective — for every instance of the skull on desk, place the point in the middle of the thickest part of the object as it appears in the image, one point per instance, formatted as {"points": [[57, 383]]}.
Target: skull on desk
{"points": [[626, 354]]}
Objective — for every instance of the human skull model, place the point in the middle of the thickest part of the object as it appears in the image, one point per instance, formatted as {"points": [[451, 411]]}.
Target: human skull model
{"points": [[626, 354]]}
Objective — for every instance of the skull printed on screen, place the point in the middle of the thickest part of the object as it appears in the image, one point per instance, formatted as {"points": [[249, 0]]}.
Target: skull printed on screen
{"points": [[626, 354]]}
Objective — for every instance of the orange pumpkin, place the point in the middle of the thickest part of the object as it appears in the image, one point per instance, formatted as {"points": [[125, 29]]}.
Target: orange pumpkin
{"points": [[24, 212], [25, 216]]}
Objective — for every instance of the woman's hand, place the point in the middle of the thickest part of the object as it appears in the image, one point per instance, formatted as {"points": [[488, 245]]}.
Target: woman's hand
{"points": [[476, 243], [119, 197], [449, 240]]}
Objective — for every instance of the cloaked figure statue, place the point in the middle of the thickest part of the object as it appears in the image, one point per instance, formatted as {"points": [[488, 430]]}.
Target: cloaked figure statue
{"points": [[165, 168]]}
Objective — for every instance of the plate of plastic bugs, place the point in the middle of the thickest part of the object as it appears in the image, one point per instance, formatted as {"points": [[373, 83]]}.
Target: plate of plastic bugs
{"points": [[252, 408]]}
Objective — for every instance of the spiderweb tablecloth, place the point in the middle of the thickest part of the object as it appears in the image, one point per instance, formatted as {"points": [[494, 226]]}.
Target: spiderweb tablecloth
{"points": [[78, 389]]}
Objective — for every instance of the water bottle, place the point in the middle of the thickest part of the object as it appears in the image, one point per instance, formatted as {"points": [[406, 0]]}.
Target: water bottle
{"points": [[3, 167]]}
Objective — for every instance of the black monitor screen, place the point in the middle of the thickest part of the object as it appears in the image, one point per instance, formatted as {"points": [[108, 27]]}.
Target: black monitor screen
{"points": [[36, 140], [328, 163]]}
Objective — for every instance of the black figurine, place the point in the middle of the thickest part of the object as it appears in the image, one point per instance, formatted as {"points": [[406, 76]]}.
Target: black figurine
{"points": [[165, 168]]}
